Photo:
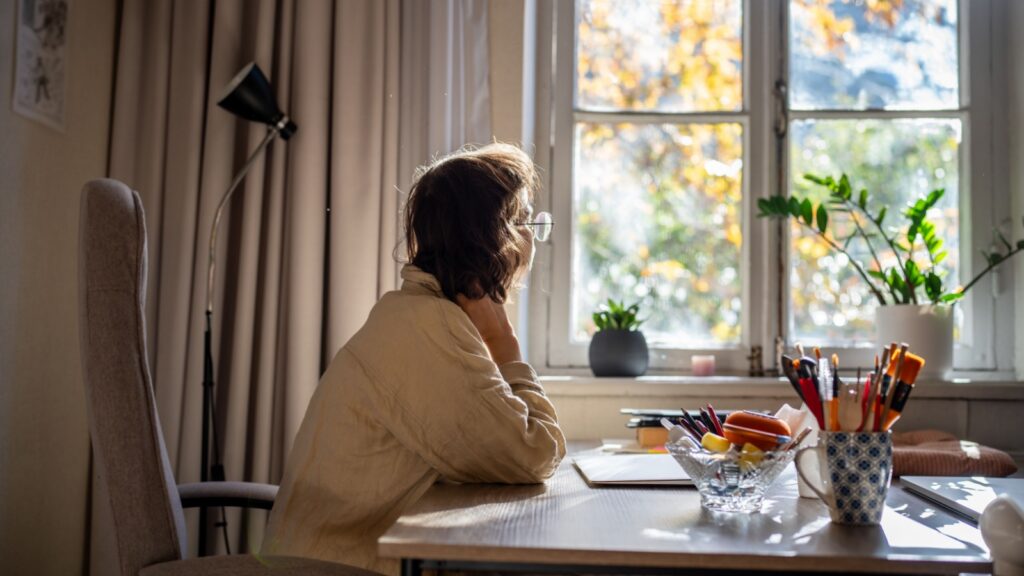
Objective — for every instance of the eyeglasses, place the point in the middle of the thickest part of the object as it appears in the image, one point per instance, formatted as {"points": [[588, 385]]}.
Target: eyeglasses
{"points": [[542, 225]]}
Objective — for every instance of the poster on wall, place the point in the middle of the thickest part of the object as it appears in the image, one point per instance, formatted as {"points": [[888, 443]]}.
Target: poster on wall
{"points": [[39, 87]]}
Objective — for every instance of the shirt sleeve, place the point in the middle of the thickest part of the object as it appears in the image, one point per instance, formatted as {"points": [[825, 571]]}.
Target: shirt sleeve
{"points": [[472, 420]]}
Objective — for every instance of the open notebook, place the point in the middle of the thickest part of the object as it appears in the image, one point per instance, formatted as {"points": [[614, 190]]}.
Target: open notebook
{"points": [[631, 470], [967, 495]]}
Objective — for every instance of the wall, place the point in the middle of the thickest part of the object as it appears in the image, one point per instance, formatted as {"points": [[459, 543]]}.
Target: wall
{"points": [[44, 436]]}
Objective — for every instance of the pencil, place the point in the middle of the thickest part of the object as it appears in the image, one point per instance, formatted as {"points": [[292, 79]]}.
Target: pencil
{"points": [[716, 421]]}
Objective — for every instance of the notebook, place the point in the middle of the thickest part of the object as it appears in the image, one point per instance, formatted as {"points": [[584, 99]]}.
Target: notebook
{"points": [[966, 495], [631, 470]]}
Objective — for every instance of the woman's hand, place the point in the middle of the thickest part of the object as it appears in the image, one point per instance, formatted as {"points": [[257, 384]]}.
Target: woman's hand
{"points": [[492, 322]]}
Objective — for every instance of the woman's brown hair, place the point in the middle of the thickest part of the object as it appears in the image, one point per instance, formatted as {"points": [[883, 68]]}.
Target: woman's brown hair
{"points": [[461, 220]]}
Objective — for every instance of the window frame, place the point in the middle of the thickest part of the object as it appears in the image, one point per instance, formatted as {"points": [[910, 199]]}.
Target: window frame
{"points": [[988, 342]]}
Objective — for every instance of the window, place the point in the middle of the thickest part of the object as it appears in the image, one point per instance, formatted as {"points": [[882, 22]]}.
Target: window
{"points": [[874, 92], [657, 184], [671, 117]]}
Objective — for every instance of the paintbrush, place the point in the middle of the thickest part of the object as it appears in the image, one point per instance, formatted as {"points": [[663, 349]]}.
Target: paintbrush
{"points": [[892, 386]]}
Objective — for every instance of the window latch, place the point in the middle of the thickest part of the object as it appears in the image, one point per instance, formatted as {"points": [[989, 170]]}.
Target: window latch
{"points": [[781, 113]]}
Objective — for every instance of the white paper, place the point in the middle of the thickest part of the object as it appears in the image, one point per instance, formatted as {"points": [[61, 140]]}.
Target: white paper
{"points": [[632, 469], [39, 86]]}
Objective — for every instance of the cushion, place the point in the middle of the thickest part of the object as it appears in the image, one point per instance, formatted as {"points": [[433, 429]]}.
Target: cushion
{"points": [[937, 453]]}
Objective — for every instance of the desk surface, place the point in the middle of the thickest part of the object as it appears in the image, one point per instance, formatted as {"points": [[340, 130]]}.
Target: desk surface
{"points": [[569, 523]]}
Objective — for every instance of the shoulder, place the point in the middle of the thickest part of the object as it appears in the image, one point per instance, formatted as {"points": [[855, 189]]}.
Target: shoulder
{"points": [[419, 320]]}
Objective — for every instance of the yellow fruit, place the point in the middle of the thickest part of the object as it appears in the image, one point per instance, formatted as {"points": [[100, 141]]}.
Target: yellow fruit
{"points": [[751, 453], [714, 443]]}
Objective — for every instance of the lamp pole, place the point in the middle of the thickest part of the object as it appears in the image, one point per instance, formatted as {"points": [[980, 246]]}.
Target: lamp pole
{"points": [[215, 470], [249, 96]]}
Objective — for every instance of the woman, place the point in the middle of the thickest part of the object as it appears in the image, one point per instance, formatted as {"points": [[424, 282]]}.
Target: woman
{"points": [[433, 385]]}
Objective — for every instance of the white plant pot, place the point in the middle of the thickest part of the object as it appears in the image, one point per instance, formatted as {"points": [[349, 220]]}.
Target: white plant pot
{"points": [[926, 328]]}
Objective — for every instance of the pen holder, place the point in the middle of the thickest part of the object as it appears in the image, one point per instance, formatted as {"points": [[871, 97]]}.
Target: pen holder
{"points": [[855, 470]]}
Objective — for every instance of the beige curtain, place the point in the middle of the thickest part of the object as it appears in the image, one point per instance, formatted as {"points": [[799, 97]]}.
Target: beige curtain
{"points": [[376, 88]]}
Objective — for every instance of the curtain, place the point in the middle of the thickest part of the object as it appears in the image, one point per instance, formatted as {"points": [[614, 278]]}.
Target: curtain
{"points": [[306, 246]]}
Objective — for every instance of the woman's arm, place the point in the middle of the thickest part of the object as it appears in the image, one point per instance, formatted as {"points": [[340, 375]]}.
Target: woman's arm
{"points": [[471, 418]]}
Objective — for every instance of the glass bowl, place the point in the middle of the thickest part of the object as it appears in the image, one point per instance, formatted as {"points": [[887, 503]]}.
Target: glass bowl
{"points": [[730, 481]]}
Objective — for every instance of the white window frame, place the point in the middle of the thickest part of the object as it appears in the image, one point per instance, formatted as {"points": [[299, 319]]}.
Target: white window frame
{"points": [[988, 337]]}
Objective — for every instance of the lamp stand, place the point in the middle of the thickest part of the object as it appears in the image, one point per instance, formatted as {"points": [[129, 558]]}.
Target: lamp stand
{"points": [[215, 470]]}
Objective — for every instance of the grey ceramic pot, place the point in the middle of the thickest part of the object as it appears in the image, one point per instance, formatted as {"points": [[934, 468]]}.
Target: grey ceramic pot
{"points": [[618, 353]]}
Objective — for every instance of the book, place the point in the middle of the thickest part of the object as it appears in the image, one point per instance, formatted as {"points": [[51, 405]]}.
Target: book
{"points": [[631, 470], [965, 495]]}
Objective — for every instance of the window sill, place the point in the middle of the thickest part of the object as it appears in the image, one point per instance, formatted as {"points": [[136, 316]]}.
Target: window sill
{"points": [[568, 383]]}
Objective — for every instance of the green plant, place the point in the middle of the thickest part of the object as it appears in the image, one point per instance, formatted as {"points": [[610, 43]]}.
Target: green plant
{"points": [[617, 316], [897, 284]]}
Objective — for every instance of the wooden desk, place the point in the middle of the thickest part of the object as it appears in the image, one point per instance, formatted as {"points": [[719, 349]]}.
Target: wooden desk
{"points": [[566, 526]]}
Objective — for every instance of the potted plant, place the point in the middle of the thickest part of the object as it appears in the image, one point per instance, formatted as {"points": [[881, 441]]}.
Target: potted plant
{"points": [[618, 348], [913, 291]]}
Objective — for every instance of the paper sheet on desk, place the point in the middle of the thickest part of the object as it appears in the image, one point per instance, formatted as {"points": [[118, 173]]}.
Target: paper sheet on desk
{"points": [[632, 470]]}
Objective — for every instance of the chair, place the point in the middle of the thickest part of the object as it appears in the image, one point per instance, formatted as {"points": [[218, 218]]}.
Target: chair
{"points": [[127, 441]]}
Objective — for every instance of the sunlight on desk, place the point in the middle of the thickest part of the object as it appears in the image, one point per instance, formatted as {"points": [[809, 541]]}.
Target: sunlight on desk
{"points": [[903, 532], [572, 526]]}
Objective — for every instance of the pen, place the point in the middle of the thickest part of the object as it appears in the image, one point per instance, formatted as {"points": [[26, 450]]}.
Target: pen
{"points": [[878, 366], [813, 400], [835, 374], [874, 383]]}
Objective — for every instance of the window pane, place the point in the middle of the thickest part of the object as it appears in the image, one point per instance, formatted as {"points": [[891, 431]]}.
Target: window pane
{"points": [[661, 55], [897, 161], [896, 55], [657, 213]]}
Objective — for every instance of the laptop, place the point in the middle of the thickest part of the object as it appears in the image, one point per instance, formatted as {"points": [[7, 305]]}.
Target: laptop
{"points": [[965, 495]]}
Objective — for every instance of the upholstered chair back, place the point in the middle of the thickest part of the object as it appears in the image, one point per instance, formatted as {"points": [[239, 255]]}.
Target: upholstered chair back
{"points": [[127, 442]]}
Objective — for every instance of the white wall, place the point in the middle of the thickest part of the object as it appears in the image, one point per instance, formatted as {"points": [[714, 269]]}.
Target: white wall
{"points": [[44, 437]]}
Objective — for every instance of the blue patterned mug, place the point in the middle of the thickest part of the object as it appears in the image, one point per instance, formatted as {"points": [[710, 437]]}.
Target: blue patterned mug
{"points": [[856, 468]]}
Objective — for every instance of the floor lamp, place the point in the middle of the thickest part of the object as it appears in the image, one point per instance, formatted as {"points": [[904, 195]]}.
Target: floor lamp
{"points": [[249, 96]]}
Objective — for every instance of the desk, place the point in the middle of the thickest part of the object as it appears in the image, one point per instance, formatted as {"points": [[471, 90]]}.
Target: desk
{"points": [[566, 526]]}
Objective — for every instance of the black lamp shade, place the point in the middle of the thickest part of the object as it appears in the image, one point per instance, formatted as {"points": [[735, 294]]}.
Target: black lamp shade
{"points": [[250, 96]]}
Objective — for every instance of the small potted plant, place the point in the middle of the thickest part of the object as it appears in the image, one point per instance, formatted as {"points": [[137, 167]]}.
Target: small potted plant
{"points": [[916, 302], [618, 348]]}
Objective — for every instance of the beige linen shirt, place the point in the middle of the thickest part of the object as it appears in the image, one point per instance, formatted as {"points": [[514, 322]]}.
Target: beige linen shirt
{"points": [[414, 396]]}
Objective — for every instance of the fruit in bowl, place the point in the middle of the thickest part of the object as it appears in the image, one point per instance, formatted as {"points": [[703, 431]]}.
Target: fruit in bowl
{"points": [[733, 471]]}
